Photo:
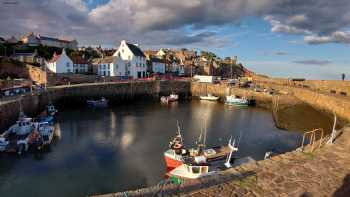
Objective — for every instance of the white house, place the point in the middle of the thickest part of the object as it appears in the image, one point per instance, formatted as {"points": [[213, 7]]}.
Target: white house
{"points": [[112, 66], [162, 52], [60, 63], [35, 40], [134, 57], [158, 65], [80, 65]]}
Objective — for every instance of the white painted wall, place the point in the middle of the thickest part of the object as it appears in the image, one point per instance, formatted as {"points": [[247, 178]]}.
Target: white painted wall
{"points": [[63, 64], [136, 64], [117, 68], [158, 67]]}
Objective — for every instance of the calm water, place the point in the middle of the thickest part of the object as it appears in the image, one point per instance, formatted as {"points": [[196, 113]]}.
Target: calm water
{"points": [[116, 149]]}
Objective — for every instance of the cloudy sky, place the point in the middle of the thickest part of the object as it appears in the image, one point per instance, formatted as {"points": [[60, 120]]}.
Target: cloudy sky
{"points": [[283, 38]]}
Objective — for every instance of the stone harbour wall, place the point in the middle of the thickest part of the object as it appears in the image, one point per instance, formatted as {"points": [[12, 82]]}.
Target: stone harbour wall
{"points": [[33, 103]]}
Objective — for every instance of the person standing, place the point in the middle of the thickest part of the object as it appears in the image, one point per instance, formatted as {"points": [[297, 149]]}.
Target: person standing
{"points": [[343, 76]]}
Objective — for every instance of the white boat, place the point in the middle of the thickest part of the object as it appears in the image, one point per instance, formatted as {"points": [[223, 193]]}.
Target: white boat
{"points": [[3, 144], [46, 131], [209, 97], [174, 156], [237, 101], [23, 126], [199, 166], [171, 98], [98, 103]]}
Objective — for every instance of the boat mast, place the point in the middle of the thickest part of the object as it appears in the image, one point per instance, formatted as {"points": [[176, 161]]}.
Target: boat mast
{"points": [[205, 134], [178, 128]]}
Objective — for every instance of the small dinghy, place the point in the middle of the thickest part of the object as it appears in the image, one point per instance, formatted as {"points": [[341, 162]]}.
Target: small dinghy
{"points": [[171, 98], [209, 97], [101, 103]]}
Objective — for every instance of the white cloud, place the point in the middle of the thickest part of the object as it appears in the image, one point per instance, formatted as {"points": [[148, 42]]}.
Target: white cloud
{"points": [[335, 37]]}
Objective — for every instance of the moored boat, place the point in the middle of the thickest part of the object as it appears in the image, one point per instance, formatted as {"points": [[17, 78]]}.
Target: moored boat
{"points": [[236, 101], [174, 156], [46, 132], [97, 103], [194, 167], [15, 139], [171, 98], [209, 97]]}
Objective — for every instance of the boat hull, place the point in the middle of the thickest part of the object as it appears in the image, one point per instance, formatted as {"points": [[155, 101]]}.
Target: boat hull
{"points": [[209, 98], [237, 104], [171, 163]]}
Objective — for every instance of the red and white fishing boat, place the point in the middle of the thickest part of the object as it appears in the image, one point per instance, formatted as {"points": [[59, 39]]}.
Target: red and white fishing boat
{"points": [[174, 156], [194, 167]]}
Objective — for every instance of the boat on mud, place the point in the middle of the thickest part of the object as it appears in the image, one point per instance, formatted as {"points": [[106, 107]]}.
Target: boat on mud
{"points": [[209, 97], [100, 103], [236, 101], [171, 98]]}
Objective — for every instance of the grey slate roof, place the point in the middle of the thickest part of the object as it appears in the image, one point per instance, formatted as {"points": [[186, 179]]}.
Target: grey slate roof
{"points": [[135, 50]]}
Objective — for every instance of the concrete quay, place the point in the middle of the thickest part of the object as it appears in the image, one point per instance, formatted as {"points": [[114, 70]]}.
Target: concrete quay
{"points": [[325, 172]]}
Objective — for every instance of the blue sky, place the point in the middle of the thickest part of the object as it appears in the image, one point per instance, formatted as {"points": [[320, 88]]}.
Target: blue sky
{"points": [[279, 38]]}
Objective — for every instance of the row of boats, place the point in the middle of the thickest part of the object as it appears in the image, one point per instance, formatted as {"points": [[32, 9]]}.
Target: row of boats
{"points": [[229, 100], [29, 132], [200, 161]]}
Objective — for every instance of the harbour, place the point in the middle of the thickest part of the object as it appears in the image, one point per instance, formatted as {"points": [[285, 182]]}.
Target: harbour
{"points": [[100, 150]]}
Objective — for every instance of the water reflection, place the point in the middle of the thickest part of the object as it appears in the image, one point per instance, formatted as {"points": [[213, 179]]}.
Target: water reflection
{"points": [[109, 150]]}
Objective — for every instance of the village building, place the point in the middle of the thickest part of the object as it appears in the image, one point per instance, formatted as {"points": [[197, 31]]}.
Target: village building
{"points": [[12, 40], [35, 40], [134, 57], [60, 63], [80, 65], [112, 66], [162, 52], [28, 57], [157, 65]]}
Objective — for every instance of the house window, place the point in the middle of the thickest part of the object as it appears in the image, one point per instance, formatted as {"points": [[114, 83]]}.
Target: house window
{"points": [[129, 57], [104, 73], [139, 74], [122, 50], [68, 64], [108, 66]]}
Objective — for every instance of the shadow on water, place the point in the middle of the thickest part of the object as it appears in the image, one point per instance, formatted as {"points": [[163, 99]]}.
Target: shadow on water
{"points": [[303, 117]]}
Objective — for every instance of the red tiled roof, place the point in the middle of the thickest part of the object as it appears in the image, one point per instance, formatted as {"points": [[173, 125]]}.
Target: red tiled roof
{"points": [[78, 60]]}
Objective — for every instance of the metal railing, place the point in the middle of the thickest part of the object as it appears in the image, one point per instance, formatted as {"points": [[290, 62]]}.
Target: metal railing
{"points": [[313, 141]]}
